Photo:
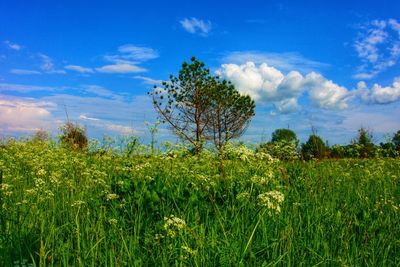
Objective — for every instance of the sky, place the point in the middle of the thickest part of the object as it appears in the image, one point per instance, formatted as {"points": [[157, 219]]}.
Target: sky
{"points": [[329, 67]]}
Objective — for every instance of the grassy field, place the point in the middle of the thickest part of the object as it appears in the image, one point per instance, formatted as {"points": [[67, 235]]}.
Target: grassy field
{"points": [[65, 208]]}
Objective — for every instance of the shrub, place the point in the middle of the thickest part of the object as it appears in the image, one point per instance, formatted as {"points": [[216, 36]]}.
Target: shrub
{"points": [[73, 136]]}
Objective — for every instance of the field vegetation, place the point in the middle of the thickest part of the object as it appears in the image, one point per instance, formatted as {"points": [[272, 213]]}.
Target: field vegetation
{"points": [[128, 205]]}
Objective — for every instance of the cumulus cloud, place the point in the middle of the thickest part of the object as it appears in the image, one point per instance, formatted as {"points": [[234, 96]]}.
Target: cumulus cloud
{"points": [[378, 94], [13, 46], [23, 115], [24, 72], [196, 26], [378, 47], [325, 93], [79, 69], [267, 84]]}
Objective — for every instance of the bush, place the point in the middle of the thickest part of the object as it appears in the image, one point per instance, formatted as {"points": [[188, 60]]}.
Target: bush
{"points": [[73, 136]]}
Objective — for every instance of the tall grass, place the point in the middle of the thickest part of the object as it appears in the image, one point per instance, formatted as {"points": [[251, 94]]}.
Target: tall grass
{"points": [[64, 208]]}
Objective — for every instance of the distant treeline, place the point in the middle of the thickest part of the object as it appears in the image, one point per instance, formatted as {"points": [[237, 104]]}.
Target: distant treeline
{"points": [[284, 145]]}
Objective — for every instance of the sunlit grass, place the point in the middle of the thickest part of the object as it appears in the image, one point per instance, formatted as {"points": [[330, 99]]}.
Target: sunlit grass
{"points": [[65, 208]]}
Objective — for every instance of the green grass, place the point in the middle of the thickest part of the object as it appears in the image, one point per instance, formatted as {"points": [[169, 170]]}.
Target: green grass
{"points": [[64, 208]]}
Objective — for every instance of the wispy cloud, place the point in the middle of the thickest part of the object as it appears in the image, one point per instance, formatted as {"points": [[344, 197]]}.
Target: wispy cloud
{"points": [[137, 53], [24, 72], [13, 46], [196, 26], [22, 88], [84, 117], [378, 47], [283, 61], [47, 65], [80, 69], [148, 80], [128, 58], [120, 68]]}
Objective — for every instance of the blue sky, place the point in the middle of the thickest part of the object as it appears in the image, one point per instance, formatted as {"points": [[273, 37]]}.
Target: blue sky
{"points": [[331, 66]]}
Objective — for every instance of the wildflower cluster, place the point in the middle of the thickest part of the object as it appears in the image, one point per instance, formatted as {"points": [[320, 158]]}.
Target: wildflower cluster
{"points": [[271, 200], [173, 225]]}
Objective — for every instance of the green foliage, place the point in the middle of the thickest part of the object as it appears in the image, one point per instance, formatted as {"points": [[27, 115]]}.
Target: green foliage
{"points": [[73, 136], [314, 148], [367, 148], [396, 140], [200, 107], [63, 208], [286, 135], [183, 100], [283, 150], [228, 113]]}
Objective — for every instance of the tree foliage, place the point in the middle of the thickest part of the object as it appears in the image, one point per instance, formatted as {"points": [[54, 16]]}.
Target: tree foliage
{"points": [[200, 107], [284, 135], [314, 148], [228, 113]]}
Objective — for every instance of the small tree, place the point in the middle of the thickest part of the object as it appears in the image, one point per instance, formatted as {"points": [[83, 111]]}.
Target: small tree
{"points": [[73, 136], [284, 135], [367, 148], [182, 102], [228, 113], [314, 148], [396, 140]]}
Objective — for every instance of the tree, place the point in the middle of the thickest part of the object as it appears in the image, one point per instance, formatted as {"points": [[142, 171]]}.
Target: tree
{"points": [[367, 147], [182, 102], [396, 140], [284, 135], [200, 107], [314, 148], [228, 113]]}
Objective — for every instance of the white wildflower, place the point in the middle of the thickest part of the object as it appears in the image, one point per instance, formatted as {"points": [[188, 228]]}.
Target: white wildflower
{"points": [[271, 200], [173, 224], [111, 196]]}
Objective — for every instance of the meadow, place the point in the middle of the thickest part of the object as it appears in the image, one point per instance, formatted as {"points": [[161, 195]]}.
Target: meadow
{"points": [[61, 207]]}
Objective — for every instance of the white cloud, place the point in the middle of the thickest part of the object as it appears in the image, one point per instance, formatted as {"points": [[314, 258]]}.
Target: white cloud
{"points": [[128, 59], [84, 117], [13, 46], [325, 93], [194, 25], [378, 47], [24, 72], [22, 88], [282, 61], [378, 94], [23, 115], [148, 80], [139, 53], [47, 65], [267, 84], [288, 105], [79, 69], [121, 68]]}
